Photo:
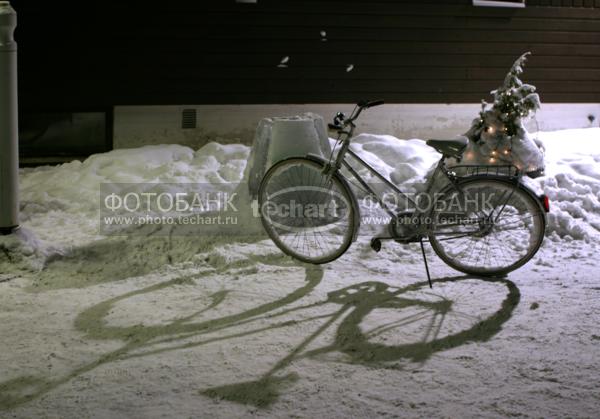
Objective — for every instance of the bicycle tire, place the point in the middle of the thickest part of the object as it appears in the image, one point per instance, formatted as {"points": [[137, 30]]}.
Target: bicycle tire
{"points": [[509, 243], [325, 238]]}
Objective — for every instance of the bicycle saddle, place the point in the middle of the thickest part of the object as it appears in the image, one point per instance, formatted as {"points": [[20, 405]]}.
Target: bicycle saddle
{"points": [[449, 148]]}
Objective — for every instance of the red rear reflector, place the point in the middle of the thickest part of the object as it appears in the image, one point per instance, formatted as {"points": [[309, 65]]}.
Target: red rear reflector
{"points": [[546, 203]]}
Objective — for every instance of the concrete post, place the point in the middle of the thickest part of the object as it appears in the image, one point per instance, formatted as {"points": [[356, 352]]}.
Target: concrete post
{"points": [[9, 134]]}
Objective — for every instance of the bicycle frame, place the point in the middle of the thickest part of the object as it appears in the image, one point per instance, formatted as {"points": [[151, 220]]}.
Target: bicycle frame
{"points": [[341, 161], [453, 180]]}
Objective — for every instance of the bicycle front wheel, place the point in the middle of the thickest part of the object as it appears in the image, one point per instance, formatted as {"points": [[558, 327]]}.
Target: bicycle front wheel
{"points": [[307, 216], [489, 228]]}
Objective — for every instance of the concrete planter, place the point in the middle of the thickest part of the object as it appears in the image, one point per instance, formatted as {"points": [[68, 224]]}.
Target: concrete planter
{"points": [[278, 138]]}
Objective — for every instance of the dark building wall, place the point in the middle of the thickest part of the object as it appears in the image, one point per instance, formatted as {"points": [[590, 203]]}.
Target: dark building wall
{"points": [[98, 54]]}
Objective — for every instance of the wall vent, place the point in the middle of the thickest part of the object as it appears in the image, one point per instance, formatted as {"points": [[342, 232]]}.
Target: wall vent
{"points": [[188, 119]]}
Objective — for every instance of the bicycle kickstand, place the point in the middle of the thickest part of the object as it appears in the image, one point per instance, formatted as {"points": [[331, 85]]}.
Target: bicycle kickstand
{"points": [[425, 261]]}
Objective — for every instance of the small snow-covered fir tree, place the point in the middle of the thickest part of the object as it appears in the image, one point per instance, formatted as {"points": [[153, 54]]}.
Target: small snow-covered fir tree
{"points": [[514, 101], [498, 135]]}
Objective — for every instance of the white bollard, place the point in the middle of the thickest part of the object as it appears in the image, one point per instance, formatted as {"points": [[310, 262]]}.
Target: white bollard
{"points": [[9, 134]]}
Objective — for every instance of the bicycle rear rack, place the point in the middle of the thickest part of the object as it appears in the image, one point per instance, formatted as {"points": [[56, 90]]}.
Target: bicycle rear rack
{"points": [[466, 170]]}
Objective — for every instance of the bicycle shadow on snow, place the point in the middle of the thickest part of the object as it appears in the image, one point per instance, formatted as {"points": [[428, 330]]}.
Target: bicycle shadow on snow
{"points": [[92, 323], [353, 305], [357, 302]]}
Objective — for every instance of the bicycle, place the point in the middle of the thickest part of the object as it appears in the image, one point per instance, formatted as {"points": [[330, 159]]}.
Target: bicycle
{"points": [[311, 213]]}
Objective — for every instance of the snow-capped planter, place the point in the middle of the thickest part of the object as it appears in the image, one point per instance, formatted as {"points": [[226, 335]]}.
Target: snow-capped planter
{"points": [[278, 138]]}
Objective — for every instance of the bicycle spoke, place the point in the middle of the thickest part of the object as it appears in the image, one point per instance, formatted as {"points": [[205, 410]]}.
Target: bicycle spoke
{"points": [[310, 217], [500, 239]]}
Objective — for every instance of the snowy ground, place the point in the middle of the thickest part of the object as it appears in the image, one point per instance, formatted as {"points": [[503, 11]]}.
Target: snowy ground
{"points": [[150, 325]]}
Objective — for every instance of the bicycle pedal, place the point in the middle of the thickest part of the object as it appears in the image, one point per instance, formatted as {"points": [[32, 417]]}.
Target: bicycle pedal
{"points": [[376, 244]]}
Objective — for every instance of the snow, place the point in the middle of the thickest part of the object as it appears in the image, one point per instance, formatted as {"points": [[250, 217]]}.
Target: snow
{"points": [[60, 205], [149, 325], [400, 161], [572, 183]]}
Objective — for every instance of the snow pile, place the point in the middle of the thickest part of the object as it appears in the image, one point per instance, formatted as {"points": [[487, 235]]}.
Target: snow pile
{"points": [[60, 205], [22, 250], [400, 161], [572, 183], [74, 187]]}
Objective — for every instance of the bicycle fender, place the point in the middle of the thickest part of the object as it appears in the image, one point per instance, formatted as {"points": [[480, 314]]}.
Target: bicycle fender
{"points": [[539, 199]]}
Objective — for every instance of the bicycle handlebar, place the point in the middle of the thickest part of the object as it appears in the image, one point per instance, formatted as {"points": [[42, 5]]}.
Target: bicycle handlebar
{"points": [[340, 122], [369, 104]]}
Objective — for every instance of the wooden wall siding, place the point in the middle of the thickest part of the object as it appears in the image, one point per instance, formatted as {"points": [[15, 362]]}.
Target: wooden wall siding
{"points": [[96, 55]]}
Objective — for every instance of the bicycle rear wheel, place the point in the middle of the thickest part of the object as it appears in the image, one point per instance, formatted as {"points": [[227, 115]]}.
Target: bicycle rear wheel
{"points": [[307, 216], [490, 228]]}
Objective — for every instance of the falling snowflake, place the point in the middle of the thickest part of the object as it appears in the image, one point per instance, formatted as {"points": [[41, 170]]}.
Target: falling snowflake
{"points": [[323, 36], [349, 68], [284, 62]]}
